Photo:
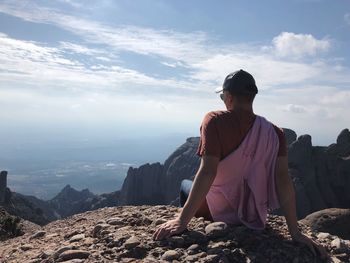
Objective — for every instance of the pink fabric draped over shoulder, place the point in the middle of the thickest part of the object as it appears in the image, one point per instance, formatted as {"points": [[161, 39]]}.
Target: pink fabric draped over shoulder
{"points": [[244, 186]]}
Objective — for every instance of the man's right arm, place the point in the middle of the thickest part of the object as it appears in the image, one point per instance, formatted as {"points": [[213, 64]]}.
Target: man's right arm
{"points": [[286, 196]]}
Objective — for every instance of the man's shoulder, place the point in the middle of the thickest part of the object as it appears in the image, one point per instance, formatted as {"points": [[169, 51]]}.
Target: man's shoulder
{"points": [[211, 115], [277, 129]]}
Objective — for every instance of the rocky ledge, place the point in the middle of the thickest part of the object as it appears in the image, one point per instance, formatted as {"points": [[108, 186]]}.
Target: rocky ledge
{"points": [[124, 234]]}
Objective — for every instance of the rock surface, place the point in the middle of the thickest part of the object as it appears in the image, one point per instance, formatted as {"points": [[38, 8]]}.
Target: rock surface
{"points": [[333, 220], [131, 240]]}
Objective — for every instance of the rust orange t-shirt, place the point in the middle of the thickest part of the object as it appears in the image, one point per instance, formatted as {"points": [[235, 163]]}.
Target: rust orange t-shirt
{"points": [[223, 131]]}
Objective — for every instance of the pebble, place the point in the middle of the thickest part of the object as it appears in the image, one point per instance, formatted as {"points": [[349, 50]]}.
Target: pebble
{"points": [[77, 238], [211, 258], [98, 228], [114, 221], [37, 235], [72, 254], [192, 258], [26, 247], [323, 235], [336, 243], [69, 235], [159, 221], [176, 241], [216, 229], [197, 236], [61, 250], [131, 242], [340, 245], [52, 235], [191, 250], [335, 260], [171, 255]]}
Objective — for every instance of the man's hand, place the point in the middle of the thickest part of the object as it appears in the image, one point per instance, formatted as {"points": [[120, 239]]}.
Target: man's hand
{"points": [[172, 227], [312, 245]]}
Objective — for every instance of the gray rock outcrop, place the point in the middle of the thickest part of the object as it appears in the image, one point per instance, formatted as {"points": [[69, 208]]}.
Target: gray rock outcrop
{"points": [[66, 203], [159, 183], [291, 135], [3, 186], [147, 189], [321, 175], [335, 221]]}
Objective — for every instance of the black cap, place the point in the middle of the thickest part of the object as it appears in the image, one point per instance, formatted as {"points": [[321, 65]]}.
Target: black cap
{"points": [[239, 81]]}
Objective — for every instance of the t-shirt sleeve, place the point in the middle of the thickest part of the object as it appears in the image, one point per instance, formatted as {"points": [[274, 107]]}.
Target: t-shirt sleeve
{"points": [[282, 151], [209, 139]]}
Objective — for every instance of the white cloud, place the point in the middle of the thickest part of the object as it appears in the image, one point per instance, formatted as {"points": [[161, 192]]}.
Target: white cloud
{"points": [[30, 64], [291, 44], [294, 108], [146, 41], [76, 48], [347, 18], [287, 85]]}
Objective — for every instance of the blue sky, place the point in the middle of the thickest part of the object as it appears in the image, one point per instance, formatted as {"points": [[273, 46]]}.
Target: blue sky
{"points": [[136, 68]]}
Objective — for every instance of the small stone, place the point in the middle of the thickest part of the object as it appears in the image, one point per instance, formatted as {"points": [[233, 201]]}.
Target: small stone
{"points": [[61, 250], [335, 260], [323, 235], [339, 245], [77, 238], [131, 242], [98, 228], [176, 241], [192, 258], [45, 254], [38, 234], [336, 243], [220, 245], [69, 235], [26, 247], [114, 221], [216, 229], [88, 241], [211, 258], [214, 251], [73, 254], [105, 232], [52, 235], [159, 221], [171, 255], [191, 250], [197, 236], [202, 254], [80, 219]]}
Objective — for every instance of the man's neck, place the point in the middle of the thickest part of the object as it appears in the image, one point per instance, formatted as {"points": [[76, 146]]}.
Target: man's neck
{"points": [[241, 107]]}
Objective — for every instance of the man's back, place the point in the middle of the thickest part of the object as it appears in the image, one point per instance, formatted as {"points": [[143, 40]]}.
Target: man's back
{"points": [[223, 131]]}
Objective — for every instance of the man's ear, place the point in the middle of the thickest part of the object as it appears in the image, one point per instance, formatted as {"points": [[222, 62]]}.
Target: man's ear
{"points": [[230, 98]]}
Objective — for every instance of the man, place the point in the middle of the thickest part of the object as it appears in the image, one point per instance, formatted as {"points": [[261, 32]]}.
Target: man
{"points": [[243, 170]]}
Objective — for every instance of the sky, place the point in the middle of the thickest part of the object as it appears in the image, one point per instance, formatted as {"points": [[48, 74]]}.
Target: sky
{"points": [[76, 69]]}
